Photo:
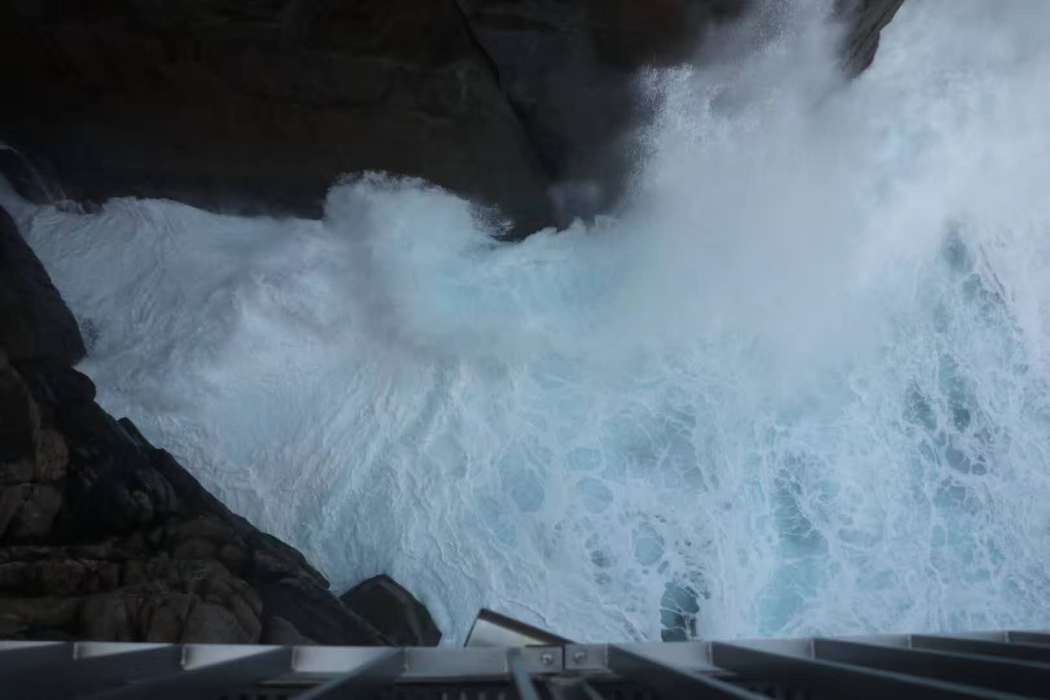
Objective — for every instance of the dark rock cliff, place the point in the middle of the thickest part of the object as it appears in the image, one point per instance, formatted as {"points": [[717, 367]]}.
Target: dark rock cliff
{"points": [[393, 611], [258, 105], [865, 20], [105, 537], [35, 321]]}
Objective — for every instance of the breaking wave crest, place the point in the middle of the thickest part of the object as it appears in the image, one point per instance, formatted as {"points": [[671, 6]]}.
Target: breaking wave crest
{"points": [[796, 384]]}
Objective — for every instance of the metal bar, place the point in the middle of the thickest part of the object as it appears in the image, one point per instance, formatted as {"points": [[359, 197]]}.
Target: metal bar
{"points": [[370, 678], [1026, 652], [1020, 637], [1008, 675], [837, 679], [71, 676], [24, 658], [491, 629], [425, 664], [522, 680], [570, 688], [212, 679], [589, 693], [672, 682]]}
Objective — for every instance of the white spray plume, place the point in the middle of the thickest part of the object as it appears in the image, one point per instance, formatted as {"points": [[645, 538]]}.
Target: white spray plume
{"points": [[800, 376]]}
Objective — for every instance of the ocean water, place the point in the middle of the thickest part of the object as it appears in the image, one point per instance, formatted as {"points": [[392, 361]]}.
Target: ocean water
{"points": [[796, 384]]}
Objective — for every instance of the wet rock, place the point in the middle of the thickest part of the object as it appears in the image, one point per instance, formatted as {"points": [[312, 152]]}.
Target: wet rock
{"points": [[35, 320], [102, 519], [569, 71], [865, 20], [261, 106], [394, 611], [39, 617], [316, 613], [18, 423], [281, 631], [103, 536], [30, 511], [208, 622]]}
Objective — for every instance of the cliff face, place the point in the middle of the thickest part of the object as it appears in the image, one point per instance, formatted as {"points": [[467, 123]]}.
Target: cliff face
{"points": [[258, 105], [865, 20], [103, 536]]}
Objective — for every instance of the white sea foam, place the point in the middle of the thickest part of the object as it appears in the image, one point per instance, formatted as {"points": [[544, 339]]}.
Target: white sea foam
{"points": [[801, 376]]}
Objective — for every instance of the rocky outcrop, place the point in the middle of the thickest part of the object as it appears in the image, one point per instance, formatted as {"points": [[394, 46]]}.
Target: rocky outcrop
{"points": [[865, 20], [36, 322], [258, 105], [393, 611], [102, 535], [568, 68]]}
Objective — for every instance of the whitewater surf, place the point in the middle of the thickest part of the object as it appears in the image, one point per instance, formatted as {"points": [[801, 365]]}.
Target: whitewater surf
{"points": [[796, 384]]}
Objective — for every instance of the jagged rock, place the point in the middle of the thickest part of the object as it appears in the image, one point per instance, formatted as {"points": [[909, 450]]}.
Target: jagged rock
{"points": [[259, 105], [146, 557], [281, 631], [103, 536], [36, 322], [18, 422], [394, 611], [865, 20], [39, 617], [316, 613], [568, 69]]}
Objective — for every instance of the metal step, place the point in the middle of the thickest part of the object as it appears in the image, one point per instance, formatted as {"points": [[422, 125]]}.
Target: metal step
{"points": [[998, 664]]}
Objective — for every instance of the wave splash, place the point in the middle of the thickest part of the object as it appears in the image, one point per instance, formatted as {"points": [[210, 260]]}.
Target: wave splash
{"points": [[796, 385]]}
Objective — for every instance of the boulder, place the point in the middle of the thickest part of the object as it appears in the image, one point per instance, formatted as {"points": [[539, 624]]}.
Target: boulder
{"points": [[392, 610]]}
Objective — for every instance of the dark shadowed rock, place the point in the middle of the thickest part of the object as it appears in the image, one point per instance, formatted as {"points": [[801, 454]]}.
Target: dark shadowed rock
{"points": [[865, 20], [314, 611], [260, 105], [103, 536], [568, 69], [394, 611], [35, 321]]}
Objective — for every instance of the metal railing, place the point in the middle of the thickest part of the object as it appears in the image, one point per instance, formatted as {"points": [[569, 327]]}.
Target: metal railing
{"points": [[977, 665]]}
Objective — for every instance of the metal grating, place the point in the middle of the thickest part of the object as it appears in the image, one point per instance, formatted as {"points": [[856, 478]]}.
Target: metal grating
{"points": [[978, 665]]}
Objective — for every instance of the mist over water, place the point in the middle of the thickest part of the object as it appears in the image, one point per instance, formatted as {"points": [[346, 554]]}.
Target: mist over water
{"points": [[796, 384]]}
